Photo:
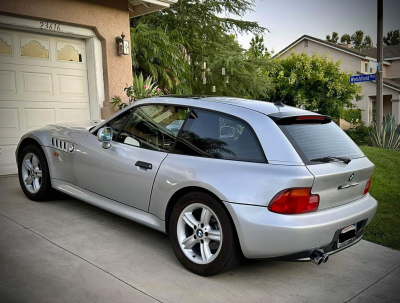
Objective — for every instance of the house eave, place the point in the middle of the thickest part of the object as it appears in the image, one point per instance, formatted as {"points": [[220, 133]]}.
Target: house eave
{"points": [[143, 7], [327, 45]]}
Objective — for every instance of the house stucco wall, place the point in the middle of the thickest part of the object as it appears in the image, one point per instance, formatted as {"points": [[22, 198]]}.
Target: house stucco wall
{"points": [[393, 71], [107, 18], [350, 63]]}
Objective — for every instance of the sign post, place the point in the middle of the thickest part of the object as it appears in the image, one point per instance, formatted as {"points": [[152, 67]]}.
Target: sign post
{"points": [[379, 72]]}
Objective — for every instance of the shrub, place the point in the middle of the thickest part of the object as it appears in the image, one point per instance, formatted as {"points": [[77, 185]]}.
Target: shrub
{"points": [[140, 89], [388, 135], [351, 115], [360, 134]]}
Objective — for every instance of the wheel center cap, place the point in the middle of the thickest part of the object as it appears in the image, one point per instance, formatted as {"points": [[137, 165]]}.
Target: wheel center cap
{"points": [[199, 233]]}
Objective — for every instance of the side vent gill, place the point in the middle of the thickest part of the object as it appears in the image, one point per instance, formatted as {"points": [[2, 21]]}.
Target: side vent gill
{"points": [[65, 146]]}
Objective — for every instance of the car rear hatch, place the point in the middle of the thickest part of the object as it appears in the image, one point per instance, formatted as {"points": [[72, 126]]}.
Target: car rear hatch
{"points": [[341, 170]]}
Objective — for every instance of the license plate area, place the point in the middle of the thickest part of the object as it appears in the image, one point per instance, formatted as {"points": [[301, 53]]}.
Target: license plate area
{"points": [[347, 235]]}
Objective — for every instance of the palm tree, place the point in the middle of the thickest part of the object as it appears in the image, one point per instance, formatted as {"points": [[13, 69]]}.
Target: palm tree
{"points": [[153, 54]]}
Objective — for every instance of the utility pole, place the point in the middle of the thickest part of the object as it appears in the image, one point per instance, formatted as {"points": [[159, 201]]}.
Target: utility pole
{"points": [[379, 72]]}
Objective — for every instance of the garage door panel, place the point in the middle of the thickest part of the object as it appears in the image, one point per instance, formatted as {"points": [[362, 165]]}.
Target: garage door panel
{"points": [[43, 80], [22, 82], [6, 44], [33, 47], [8, 82], [41, 50], [37, 83], [39, 117], [7, 159], [9, 118], [72, 115], [72, 85]]}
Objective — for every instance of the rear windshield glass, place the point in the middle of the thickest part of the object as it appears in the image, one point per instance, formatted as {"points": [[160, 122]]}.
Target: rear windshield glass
{"points": [[321, 140]]}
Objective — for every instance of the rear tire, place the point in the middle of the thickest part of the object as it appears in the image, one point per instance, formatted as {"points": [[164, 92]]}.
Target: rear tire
{"points": [[203, 236], [33, 173]]}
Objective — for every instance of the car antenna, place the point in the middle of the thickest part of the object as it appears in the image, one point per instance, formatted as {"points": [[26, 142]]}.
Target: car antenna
{"points": [[280, 103]]}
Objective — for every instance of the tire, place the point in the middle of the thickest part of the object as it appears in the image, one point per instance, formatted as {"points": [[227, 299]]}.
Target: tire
{"points": [[192, 209], [40, 188]]}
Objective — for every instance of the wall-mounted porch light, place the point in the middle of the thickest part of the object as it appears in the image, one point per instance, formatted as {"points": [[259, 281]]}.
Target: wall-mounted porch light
{"points": [[123, 45]]}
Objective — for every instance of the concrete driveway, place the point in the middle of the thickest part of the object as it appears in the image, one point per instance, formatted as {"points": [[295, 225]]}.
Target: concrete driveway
{"points": [[68, 251]]}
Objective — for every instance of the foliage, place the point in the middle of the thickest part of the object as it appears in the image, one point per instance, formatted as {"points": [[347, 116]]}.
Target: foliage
{"points": [[357, 40], [334, 38], [317, 82], [387, 135], [346, 38], [202, 28], [247, 78], [385, 187], [140, 89], [367, 42], [360, 134], [257, 48], [155, 55], [392, 38], [352, 115]]}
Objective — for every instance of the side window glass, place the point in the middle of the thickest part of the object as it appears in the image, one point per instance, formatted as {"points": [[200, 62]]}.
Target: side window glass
{"points": [[215, 135], [153, 127], [117, 123]]}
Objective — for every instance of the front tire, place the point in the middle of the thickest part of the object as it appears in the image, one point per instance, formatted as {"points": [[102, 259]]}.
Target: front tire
{"points": [[33, 173], [203, 235]]}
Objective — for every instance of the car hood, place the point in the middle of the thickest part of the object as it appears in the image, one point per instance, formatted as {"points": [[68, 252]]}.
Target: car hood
{"points": [[78, 125]]}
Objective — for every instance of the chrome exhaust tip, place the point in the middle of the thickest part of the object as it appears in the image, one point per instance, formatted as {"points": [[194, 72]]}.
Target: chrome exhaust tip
{"points": [[318, 257]]}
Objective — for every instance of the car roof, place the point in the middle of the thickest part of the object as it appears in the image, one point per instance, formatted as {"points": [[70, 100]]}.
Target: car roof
{"points": [[255, 105]]}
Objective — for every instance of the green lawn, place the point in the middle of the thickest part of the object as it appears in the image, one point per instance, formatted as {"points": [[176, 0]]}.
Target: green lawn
{"points": [[385, 187]]}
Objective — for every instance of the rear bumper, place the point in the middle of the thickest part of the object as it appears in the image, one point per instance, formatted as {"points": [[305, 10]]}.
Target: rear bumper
{"points": [[263, 234]]}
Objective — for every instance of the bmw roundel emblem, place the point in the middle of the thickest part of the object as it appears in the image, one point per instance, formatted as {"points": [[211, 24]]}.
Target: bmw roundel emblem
{"points": [[351, 177]]}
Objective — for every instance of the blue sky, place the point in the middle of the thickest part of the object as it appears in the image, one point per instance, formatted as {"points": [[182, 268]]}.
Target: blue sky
{"points": [[288, 20]]}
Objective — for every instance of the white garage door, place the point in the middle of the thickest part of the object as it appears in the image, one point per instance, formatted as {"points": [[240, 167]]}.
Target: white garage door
{"points": [[43, 79]]}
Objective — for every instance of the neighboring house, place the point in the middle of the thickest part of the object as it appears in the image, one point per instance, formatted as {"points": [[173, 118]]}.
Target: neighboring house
{"points": [[59, 62], [356, 62]]}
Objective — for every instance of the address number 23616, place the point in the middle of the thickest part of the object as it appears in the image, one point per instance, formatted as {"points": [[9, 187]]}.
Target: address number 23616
{"points": [[49, 26]]}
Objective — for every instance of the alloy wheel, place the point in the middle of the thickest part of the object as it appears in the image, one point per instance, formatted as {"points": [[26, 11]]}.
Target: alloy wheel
{"points": [[31, 173], [199, 233]]}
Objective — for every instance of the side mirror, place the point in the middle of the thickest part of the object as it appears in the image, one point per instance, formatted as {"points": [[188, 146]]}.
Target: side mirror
{"points": [[104, 135], [227, 132]]}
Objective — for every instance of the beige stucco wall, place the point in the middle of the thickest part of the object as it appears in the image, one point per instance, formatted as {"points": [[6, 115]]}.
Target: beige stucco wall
{"points": [[350, 63], [393, 71], [108, 18]]}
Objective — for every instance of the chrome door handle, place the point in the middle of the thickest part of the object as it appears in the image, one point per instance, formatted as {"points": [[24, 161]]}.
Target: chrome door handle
{"points": [[144, 165]]}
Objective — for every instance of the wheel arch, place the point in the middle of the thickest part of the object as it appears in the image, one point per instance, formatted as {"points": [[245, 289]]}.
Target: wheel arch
{"points": [[183, 191], [29, 141]]}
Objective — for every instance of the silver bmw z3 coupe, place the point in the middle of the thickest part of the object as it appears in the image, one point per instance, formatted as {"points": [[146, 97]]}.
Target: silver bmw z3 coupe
{"points": [[224, 177]]}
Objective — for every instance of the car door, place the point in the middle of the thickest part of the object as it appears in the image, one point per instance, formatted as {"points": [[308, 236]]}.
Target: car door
{"points": [[125, 172]]}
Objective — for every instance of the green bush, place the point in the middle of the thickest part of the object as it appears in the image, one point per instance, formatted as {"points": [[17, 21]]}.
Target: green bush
{"points": [[360, 134], [140, 89], [388, 135], [351, 115]]}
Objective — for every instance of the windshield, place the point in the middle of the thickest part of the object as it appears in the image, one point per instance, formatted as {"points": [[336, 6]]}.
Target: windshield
{"points": [[313, 141]]}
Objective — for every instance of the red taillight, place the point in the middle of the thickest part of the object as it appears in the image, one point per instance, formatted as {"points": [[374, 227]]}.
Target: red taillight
{"points": [[294, 201], [310, 118], [366, 189]]}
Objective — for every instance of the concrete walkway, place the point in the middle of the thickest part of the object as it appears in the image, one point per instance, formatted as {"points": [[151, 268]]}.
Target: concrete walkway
{"points": [[68, 251]]}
